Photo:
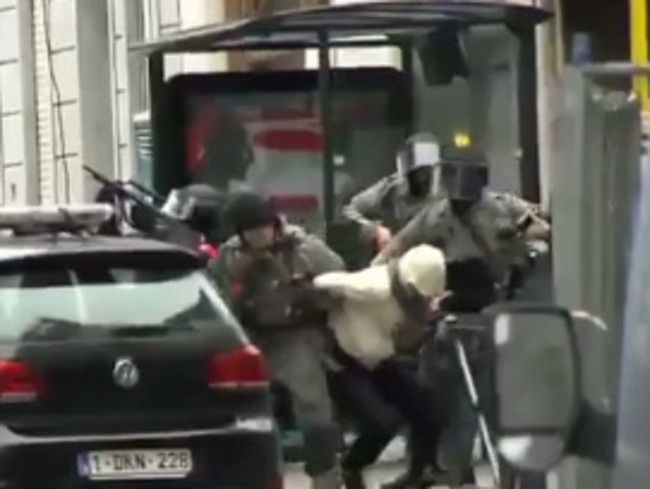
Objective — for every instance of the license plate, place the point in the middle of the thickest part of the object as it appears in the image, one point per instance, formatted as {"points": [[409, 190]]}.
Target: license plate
{"points": [[135, 464]]}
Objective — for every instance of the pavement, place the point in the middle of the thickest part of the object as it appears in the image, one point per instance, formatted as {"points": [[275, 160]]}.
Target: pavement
{"points": [[379, 474], [390, 465]]}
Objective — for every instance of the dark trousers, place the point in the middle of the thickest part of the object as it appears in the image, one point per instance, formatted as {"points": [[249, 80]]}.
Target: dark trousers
{"points": [[385, 398], [401, 387], [375, 421]]}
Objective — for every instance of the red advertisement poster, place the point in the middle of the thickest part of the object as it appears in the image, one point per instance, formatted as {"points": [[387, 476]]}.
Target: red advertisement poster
{"points": [[272, 143]]}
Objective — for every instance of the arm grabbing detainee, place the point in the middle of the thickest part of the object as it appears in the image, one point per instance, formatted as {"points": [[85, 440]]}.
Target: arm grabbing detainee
{"points": [[263, 270], [386, 206], [366, 209]]}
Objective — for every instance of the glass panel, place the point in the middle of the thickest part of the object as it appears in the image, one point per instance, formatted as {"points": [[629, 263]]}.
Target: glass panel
{"points": [[272, 143], [62, 303]]}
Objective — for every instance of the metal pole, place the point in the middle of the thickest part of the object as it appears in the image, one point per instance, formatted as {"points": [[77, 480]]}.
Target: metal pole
{"points": [[406, 55], [156, 66], [615, 69], [529, 176], [325, 106], [484, 431], [639, 47]]}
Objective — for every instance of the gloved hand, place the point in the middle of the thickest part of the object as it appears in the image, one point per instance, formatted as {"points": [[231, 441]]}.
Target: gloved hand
{"points": [[507, 232]]}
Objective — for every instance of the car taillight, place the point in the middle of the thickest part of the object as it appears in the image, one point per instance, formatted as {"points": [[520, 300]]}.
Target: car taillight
{"points": [[18, 382], [243, 367], [208, 250]]}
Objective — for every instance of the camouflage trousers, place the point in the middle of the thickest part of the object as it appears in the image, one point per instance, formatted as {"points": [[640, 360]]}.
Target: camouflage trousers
{"points": [[296, 361]]}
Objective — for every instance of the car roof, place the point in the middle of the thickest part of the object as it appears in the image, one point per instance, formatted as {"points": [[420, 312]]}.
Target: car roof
{"points": [[16, 247]]}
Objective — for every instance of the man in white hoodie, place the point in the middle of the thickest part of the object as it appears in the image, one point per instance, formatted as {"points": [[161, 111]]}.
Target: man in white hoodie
{"points": [[377, 306]]}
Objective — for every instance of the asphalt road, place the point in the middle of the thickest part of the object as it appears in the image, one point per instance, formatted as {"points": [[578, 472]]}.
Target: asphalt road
{"points": [[391, 465], [383, 472], [296, 479]]}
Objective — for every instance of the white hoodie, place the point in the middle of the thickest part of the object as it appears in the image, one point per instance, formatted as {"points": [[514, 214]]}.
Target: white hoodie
{"points": [[366, 321]]}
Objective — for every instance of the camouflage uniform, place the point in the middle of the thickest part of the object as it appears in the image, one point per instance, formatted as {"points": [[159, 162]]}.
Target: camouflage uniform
{"points": [[437, 225], [387, 203], [296, 353]]}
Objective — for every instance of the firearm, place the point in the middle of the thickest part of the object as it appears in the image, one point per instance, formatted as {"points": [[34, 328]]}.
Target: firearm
{"points": [[122, 191], [121, 188]]}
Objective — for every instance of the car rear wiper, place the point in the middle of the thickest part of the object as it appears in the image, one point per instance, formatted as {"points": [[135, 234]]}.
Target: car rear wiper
{"points": [[51, 329], [149, 330]]}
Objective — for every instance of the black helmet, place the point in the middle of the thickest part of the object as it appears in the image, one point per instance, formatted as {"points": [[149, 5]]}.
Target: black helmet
{"points": [[248, 210], [462, 173]]}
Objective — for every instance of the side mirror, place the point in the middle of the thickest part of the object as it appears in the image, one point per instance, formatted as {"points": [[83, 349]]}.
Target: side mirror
{"points": [[537, 383]]}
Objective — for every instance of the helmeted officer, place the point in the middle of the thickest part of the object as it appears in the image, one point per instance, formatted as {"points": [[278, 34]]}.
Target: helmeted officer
{"points": [[482, 233], [385, 207], [265, 273], [469, 222]]}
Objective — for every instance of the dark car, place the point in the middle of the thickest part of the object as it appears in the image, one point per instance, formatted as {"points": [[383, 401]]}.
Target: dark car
{"points": [[120, 363]]}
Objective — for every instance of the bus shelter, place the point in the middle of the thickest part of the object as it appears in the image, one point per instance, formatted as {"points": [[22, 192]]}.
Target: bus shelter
{"points": [[430, 29]]}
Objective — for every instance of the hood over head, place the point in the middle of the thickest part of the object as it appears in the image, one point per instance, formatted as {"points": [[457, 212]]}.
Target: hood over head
{"points": [[423, 267]]}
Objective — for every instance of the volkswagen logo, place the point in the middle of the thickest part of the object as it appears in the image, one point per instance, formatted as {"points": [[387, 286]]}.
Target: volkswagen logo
{"points": [[126, 373]]}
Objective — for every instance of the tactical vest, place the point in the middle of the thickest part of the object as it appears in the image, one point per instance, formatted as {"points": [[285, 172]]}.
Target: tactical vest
{"points": [[271, 286]]}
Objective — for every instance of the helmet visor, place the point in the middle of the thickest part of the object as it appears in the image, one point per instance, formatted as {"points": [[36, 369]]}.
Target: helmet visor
{"points": [[419, 154], [179, 205], [461, 181]]}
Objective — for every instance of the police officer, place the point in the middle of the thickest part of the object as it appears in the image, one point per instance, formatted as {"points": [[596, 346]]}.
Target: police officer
{"points": [[482, 233], [265, 273], [386, 206], [470, 223]]}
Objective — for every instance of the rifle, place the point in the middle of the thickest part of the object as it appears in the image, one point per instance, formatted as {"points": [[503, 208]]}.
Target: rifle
{"points": [[122, 191], [121, 187]]}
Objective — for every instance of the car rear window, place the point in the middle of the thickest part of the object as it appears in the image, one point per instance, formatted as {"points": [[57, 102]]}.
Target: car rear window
{"points": [[61, 303]]}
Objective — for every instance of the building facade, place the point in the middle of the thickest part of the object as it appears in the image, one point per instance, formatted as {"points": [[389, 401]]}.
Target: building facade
{"points": [[68, 88]]}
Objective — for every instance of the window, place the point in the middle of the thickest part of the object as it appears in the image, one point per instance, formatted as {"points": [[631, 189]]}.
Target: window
{"points": [[62, 303]]}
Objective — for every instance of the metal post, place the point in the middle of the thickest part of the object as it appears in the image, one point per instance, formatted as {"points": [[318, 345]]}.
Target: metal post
{"points": [[528, 127], [95, 107], [615, 69], [156, 66], [29, 102], [639, 47], [406, 55], [325, 106]]}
